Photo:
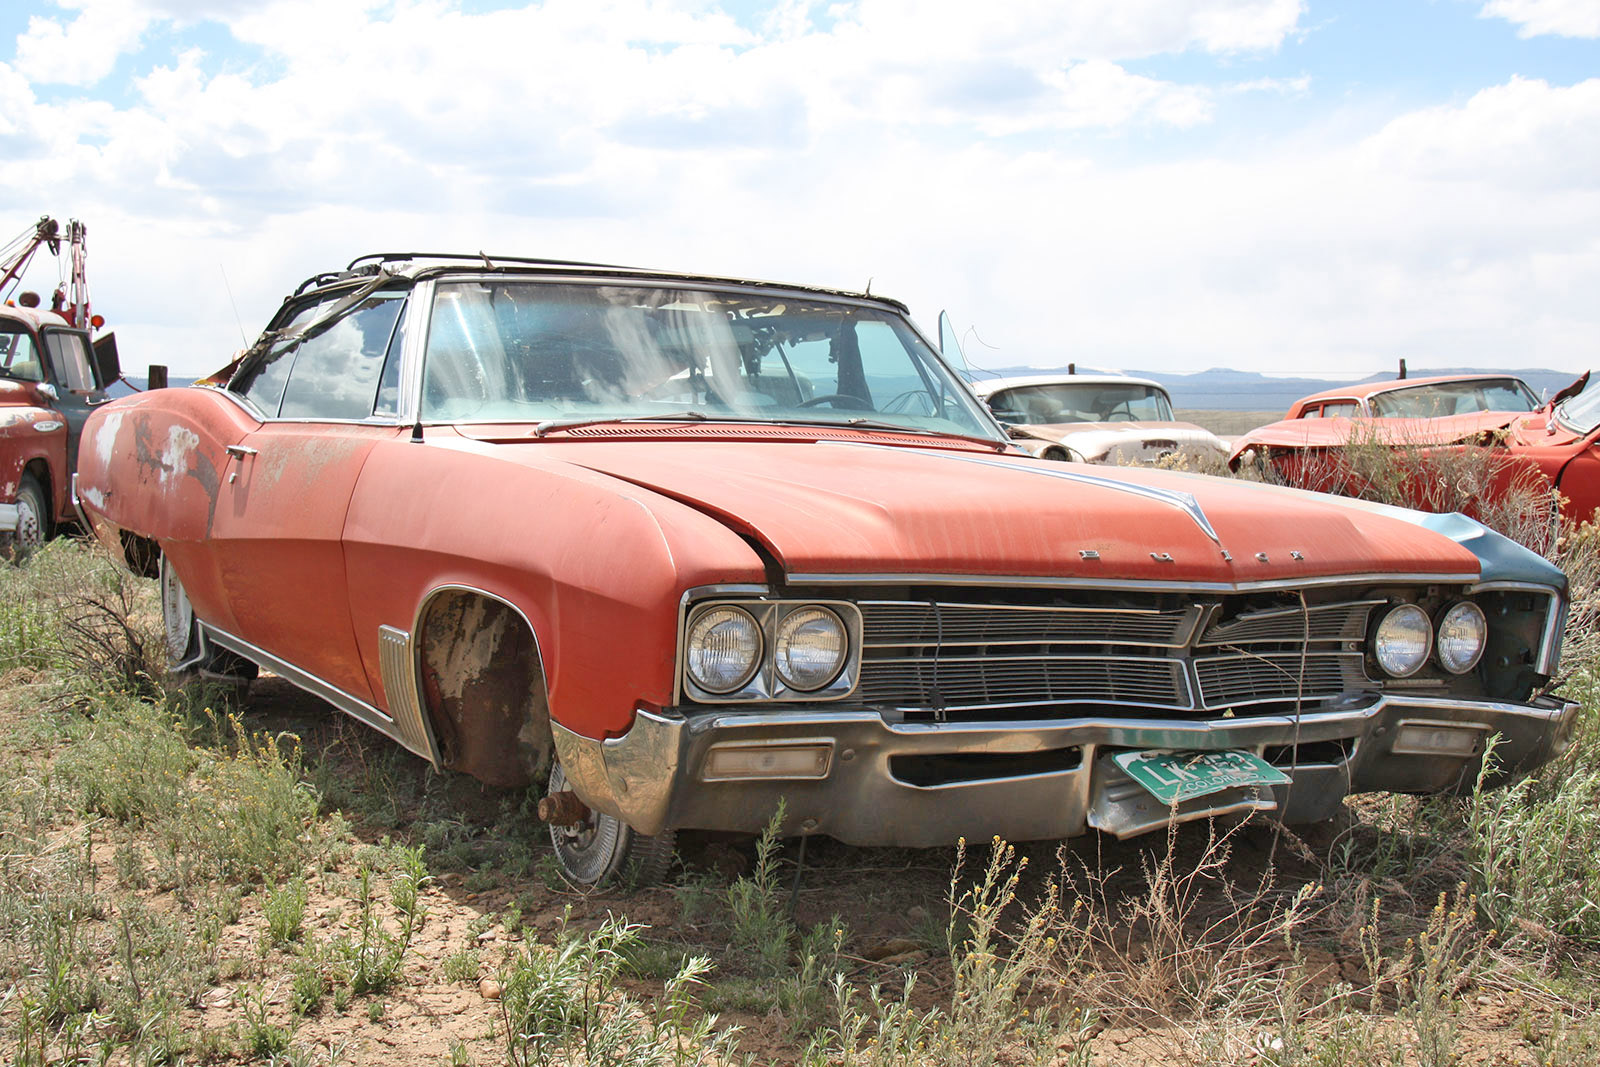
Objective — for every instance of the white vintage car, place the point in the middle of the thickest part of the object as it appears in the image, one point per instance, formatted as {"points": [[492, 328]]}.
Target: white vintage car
{"points": [[1095, 418]]}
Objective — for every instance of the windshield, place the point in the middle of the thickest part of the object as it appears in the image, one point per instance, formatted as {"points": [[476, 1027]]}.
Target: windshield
{"points": [[1454, 398], [1033, 405], [18, 357], [1581, 413], [516, 350]]}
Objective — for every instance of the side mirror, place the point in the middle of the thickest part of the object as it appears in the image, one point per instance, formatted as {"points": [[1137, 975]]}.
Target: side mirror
{"points": [[107, 367], [48, 391]]}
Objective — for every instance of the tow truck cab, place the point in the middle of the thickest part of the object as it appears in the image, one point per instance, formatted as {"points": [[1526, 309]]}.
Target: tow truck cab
{"points": [[52, 375]]}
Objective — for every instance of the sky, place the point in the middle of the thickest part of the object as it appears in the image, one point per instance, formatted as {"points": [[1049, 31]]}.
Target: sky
{"points": [[1284, 186]]}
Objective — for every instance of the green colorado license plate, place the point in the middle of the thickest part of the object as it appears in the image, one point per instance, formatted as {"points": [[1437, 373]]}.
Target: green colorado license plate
{"points": [[1173, 777]]}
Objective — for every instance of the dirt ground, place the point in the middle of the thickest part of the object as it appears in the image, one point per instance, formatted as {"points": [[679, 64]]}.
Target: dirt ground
{"points": [[892, 901]]}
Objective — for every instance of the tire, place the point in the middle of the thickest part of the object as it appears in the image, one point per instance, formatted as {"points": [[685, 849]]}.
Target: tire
{"points": [[605, 849], [188, 651], [33, 516]]}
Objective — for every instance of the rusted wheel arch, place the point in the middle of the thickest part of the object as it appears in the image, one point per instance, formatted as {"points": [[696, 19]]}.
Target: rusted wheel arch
{"points": [[483, 687]]}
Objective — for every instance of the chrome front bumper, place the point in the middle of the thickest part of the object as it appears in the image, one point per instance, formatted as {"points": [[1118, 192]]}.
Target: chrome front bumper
{"points": [[10, 517], [653, 777]]}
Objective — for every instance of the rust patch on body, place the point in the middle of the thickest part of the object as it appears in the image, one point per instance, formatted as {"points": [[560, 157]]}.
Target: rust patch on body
{"points": [[484, 690]]}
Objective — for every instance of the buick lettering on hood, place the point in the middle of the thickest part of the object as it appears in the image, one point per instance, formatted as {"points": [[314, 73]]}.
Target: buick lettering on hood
{"points": [[680, 548]]}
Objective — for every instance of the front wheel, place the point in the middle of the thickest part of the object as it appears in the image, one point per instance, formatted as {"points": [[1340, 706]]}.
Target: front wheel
{"points": [[602, 848], [33, 516]]}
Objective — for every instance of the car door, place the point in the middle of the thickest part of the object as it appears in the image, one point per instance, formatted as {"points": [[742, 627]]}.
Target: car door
{"points": [[324, 401], [70, 368]]}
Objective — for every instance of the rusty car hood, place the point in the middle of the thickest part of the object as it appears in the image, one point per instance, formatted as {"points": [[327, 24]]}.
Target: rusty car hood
{"points": [[837, 507], [1338, 432]]}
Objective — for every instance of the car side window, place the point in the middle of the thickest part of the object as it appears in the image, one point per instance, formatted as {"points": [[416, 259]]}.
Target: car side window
{"points": [[262, 381], [1341, 409], [18, 356], [389, 385], [69, 359], [332, 373], [337, 371]]}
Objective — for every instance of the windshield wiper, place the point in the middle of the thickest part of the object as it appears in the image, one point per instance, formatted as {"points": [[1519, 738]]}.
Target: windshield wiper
{"points": [[884, 424], [546, 426]]}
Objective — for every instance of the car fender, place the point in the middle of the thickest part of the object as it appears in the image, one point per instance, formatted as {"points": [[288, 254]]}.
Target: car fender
{"points": [[609, 580]]}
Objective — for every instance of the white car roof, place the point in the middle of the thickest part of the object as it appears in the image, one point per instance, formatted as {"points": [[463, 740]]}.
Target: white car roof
{"points": [[989, 386], [34, 317]]}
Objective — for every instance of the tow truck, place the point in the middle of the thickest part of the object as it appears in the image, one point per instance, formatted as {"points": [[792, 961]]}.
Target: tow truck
{"points": [[53, 373]]}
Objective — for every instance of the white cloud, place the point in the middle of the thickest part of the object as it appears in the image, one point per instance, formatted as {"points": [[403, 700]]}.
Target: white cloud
{"points": [[1564, 18], [84, 51], [926, 146]]}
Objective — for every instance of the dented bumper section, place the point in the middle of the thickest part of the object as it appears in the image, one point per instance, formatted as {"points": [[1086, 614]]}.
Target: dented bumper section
{"points": [[867, 781]]}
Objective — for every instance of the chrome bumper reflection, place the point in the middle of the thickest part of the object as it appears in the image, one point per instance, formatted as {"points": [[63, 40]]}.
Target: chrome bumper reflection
{"points": [[652, 777], [10, 518]]}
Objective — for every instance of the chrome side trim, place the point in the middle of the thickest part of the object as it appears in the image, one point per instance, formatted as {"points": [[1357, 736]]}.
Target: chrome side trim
{"points": [[72, 497], [352, 706], [397, 663], [1023, 582]]}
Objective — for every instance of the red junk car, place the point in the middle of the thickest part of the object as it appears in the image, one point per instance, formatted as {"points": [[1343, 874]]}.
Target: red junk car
{"points": [[1525, 445], [681, 547]]}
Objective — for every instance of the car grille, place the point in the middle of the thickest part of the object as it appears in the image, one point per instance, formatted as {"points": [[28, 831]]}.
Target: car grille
{"points": [[960, 657]]}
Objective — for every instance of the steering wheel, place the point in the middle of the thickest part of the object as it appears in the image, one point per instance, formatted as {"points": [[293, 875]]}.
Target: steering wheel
{"points": [[903, 402], [834, 398]]}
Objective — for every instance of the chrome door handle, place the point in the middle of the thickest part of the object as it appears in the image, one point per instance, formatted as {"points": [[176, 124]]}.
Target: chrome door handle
{"points": [[241, 451]]}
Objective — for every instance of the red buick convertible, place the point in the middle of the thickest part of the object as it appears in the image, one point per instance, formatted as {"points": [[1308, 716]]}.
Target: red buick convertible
{"points": [[680, 547]]}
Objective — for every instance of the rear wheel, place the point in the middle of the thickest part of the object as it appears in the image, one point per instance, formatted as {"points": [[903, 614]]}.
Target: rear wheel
{"points": [[188, 649], [602, 848]]}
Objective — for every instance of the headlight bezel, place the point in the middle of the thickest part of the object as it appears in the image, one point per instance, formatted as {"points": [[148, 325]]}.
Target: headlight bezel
{"points": [[765, 684]]}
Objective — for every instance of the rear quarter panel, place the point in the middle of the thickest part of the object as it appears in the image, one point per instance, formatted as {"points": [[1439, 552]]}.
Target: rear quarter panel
{"points": [[153, 465]]}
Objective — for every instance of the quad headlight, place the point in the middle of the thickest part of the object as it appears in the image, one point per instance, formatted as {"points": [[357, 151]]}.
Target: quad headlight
{"points": [[1403, 640], [786, 650], [810, 649], [1463, 632], [724, 649]]}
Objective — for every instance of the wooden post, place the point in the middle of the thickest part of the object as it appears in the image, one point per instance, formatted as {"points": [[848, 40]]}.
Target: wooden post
{"points": [[158, 376]]}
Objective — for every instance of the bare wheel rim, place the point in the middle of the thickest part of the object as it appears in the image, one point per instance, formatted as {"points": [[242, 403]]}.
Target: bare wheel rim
{"points": [[30, 522], [590, 852], [177, 614]]}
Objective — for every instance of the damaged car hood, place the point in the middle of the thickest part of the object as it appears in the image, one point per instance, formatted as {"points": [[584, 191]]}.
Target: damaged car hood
{"points": [[841, 507], [1338, 432]]}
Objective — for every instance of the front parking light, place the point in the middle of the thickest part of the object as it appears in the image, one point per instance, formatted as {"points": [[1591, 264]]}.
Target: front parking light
{"points": [[796, 760]]}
